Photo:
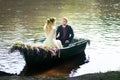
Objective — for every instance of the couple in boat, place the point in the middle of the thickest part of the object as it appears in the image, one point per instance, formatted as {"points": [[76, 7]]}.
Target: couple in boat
{"points": [[57, 38]]}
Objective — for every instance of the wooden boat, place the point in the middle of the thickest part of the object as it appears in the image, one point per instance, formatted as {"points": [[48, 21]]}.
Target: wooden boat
{"points": [[37, 56]]}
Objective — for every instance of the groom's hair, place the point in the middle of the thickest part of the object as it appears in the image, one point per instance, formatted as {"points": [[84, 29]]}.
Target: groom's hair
{"points": [[65, 19]]}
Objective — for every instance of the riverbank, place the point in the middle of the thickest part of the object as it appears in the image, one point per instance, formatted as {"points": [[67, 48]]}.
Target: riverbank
{"points": [[112, 75]]}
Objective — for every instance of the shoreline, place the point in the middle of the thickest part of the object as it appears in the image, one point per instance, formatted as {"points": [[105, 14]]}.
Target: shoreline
{"points": [[111, 75]]}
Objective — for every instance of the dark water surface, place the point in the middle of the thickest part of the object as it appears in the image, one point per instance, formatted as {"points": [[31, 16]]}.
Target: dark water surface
{"points": [[97, 20]]}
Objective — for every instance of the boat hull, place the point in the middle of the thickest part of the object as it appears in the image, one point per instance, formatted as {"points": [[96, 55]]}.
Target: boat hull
{"points": [[65, 54]]}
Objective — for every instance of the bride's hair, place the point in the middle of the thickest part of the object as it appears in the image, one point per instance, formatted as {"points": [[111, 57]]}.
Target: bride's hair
{"points": [[50, 21], [49, 25]]}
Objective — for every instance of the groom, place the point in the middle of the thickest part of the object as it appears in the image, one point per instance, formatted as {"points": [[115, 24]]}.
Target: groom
{"points": [[65, 33]]}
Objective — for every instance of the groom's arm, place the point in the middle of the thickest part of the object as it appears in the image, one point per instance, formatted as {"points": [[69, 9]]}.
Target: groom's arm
{"points": [[57, 32], [71, 33]]}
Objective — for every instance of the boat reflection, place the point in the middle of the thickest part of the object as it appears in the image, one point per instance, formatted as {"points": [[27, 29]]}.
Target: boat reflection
{"points": [[61, 69]]}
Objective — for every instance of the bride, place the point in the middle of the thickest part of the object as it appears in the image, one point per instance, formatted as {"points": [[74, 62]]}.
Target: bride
{"points": [[50, 33]]}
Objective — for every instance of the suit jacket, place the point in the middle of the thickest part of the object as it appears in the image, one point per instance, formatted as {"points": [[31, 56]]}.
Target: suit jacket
{"points": [[69, 33]]}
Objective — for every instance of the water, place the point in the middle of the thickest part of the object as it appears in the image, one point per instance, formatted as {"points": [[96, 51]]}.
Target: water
{"points": [[97, 20]]}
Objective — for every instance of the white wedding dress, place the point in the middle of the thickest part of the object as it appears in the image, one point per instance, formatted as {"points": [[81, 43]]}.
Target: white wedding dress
{"points": [[51, 42]]}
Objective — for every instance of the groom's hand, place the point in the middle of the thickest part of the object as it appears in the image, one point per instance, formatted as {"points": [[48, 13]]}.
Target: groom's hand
{"points": [[67, 41]]}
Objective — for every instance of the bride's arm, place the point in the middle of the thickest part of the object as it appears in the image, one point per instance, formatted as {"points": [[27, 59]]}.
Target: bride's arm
{"points": [[54, 33]]}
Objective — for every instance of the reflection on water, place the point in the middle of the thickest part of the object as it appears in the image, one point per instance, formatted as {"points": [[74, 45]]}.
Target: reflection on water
{"points": [[97, 20], [12, 63], [108, 61]]}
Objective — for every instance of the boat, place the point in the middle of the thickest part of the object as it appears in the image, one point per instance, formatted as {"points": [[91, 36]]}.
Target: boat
{"points": [[37, 56]]}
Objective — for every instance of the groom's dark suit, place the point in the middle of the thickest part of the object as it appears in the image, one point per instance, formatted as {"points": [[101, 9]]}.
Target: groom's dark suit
{"points": [[64, 34]]}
